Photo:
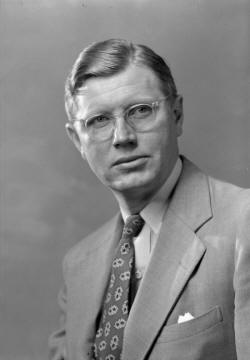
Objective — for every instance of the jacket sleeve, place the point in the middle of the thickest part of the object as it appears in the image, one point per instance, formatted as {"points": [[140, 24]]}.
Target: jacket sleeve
{"points": [[242, 287]]}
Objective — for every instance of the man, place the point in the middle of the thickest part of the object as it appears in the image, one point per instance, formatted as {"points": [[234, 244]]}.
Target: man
{"points": [[184, 277]]}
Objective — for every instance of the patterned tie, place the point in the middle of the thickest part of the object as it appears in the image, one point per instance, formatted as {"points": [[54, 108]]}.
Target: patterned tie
{"points": [[115, 310]]}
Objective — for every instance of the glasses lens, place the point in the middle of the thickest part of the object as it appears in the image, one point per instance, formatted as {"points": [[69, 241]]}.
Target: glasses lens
{"points": [[99, 127], [140, 116]]}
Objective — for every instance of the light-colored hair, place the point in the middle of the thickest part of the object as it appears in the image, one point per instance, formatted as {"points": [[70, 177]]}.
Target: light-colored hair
{"points": [[107, 58]]}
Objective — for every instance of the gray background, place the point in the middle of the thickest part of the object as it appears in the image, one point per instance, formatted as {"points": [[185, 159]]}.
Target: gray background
{"points": [[49, 198]]}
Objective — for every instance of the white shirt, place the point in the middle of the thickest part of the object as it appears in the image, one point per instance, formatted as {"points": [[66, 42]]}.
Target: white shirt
{"points": [[153, 215]]}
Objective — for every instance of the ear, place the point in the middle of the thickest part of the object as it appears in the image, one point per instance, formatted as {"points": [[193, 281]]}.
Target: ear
{"points": [[178, 114], [73, 135]]}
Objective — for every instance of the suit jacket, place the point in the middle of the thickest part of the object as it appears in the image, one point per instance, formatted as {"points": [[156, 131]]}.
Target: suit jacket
{"points": [[200, 265]]}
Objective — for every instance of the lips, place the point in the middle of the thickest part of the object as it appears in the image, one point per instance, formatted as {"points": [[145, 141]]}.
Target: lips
{"points": [[129, 159]]}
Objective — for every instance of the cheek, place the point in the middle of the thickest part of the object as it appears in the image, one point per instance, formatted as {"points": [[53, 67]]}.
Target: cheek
{"points": [[93, 159], [163, 152], [157, 144], [96, 159]]}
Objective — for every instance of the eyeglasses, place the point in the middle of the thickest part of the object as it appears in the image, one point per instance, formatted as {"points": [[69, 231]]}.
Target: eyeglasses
{"points": [[141, 117]]}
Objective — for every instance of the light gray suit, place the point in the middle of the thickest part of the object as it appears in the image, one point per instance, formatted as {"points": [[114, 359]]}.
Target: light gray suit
{"points": [[200, 265]]}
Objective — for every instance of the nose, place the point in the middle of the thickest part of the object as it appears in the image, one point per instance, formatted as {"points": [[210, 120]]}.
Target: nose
{"points": [[123, 134]]}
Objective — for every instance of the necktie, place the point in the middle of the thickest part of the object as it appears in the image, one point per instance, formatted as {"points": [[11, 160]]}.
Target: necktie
{"points": [[109, 336]]}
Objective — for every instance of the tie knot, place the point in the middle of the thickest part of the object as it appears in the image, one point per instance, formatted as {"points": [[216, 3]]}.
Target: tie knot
{"points": [[133, 225]]}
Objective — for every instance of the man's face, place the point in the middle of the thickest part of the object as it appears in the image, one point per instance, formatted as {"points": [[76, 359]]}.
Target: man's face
{"points": [[129, 161]]}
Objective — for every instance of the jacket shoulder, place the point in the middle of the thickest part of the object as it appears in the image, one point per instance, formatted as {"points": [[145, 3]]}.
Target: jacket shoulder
{"points": [[226, 194], [223, 196]]}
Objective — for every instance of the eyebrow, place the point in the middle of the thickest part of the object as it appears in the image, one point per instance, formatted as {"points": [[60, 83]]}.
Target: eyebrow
{"points": [[101, 110]]}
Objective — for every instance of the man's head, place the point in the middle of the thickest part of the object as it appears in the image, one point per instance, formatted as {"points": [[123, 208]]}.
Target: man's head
{"points": [[131, 148]]}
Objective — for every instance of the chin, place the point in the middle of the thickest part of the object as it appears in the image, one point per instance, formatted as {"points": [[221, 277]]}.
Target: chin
{"points": [[134, 184]]}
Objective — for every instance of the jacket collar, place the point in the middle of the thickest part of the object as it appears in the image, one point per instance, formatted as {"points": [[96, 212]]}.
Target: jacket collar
{"points": [[191, 200]]}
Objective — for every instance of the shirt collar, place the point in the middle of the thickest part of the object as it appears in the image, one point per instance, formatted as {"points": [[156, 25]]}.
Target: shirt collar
{"points": [[154, 211]]}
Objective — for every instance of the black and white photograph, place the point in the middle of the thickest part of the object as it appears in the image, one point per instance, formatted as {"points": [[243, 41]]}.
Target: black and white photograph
{"points": [[124, 180]]}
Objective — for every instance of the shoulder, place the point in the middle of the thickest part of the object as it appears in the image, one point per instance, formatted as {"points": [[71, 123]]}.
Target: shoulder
{"points": [[229, 198], [90, 243], [228, 204], [222, 193], [225, 192]]}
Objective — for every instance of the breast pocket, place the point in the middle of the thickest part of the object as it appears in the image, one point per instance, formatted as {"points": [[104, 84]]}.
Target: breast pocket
{"points": [[191, 327]]}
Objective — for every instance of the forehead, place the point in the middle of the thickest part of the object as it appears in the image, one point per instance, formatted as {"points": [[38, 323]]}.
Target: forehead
{"points": [[134, 84]]}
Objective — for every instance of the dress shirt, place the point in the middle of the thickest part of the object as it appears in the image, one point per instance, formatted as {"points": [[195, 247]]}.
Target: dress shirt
{"points": [[153, 215]]}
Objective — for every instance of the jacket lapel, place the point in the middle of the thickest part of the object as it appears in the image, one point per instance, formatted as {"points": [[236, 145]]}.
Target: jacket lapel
{"points": [[93, 273], [176, 254]]}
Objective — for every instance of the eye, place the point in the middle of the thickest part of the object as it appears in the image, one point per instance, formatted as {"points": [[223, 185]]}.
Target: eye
{"points": [[98, 121], [140, 111]]}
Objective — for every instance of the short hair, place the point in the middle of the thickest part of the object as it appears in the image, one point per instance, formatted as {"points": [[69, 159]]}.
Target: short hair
{"points": [[109, 57]]}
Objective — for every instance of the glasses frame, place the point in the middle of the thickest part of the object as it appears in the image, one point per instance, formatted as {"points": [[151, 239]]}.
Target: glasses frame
{"points": [[154, 104]]}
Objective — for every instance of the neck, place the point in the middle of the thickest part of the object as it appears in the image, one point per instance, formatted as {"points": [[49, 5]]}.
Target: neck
{"points": [[131, 204]]}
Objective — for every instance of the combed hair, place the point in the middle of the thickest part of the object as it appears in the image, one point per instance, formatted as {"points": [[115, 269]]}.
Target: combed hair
{"points": [[109, 57]]}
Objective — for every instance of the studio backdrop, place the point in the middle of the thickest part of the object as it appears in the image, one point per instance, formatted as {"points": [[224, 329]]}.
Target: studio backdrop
{"points": [[49, 197]]}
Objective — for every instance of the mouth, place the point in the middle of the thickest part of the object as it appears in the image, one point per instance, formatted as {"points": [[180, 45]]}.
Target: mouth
{"points": [[130, 161]]}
